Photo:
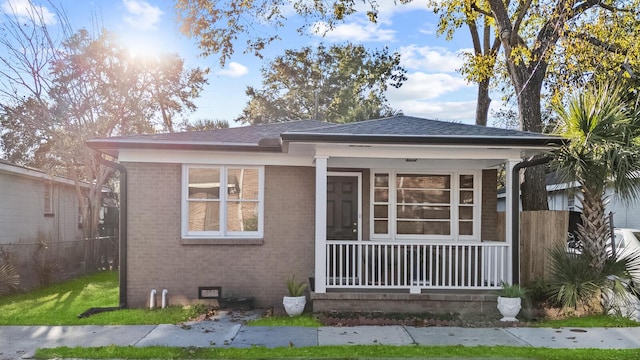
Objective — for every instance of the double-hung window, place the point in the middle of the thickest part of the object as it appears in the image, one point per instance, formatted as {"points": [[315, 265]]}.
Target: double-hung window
{"points": [[222, 201], [409, 205]]}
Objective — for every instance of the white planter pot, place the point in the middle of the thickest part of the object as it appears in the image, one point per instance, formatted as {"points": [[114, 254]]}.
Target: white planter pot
{"points": [[294, 305], [509, 308]]}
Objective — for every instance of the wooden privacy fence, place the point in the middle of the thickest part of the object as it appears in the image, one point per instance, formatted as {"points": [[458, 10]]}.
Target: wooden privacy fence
{"points": [[539, 232]]}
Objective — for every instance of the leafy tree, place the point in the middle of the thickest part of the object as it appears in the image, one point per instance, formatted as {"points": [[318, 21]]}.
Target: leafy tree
{"points": [[603, 126], [480, 64], [24, 141], [336, 84], [100, 90], [541, 35], [64, 93], [207, 124]]}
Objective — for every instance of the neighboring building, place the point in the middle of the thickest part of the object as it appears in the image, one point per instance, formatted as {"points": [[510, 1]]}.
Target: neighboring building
{"points": [[388, 209], [564, 196], [37, 209]]}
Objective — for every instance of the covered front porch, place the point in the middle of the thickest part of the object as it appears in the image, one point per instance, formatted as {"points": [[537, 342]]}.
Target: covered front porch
{"points": [[418, 227], [405, 209]]}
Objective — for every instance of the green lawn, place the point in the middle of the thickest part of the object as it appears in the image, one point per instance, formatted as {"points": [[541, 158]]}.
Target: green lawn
{"points": [[60, 304], [338, 352]]}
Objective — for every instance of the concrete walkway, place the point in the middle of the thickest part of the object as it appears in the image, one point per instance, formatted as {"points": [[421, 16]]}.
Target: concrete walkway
{"points": [[20, 342]]}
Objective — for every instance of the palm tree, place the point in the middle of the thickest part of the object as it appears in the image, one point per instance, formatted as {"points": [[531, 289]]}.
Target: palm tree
{"points": [[603, 126]]}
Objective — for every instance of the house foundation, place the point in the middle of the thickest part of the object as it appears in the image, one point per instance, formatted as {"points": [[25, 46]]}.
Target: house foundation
{"points": [[440, 302]]}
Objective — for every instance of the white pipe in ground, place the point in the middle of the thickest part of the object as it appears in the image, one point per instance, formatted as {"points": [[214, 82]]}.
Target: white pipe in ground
{"points": [[164, 298], [152, 299]]}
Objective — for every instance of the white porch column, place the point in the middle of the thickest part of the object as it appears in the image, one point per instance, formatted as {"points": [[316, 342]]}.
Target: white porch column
{"points": [[510, 192], [321, 224]]}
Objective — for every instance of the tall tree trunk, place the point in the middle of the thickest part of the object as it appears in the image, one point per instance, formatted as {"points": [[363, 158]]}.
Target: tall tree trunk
{"points": [[482, 107], [594, 231], [528, 84]]}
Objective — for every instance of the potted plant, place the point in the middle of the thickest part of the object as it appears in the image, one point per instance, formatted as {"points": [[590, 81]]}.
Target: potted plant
{"points": [[510, 301], [295, 302]]}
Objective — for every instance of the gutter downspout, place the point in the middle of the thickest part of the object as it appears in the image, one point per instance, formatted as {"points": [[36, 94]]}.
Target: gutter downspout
{"points": [[122, 246], [515, 219]]}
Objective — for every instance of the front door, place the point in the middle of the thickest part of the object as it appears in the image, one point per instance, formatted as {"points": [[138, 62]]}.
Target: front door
{"points": [[342, 207]]}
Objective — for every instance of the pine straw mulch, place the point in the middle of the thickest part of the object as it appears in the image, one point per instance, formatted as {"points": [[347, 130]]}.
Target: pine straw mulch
{"points": [[418, 320]]}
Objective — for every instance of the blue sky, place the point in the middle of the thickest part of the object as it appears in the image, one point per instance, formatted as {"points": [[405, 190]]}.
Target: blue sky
{"points": [[433, 90]]}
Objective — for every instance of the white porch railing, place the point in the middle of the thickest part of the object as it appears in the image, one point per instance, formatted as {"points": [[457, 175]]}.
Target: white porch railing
{"points": [[415, 266]]}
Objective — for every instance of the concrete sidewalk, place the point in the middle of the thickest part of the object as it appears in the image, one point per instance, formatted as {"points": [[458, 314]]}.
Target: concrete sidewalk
{"points": [[224, 331]]}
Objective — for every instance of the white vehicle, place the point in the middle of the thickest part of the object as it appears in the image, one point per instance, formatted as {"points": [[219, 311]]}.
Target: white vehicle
{"points": [[626, 241]]}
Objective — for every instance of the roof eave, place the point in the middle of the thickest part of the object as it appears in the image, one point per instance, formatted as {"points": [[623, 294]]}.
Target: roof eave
{"points": [[422, 140], [113, 147]]}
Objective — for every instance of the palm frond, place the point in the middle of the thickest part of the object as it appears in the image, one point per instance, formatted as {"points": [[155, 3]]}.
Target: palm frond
{"points": [[9, 278]]}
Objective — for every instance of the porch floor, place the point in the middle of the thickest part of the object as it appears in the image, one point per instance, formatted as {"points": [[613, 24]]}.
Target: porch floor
{"points": [[436, 302]]}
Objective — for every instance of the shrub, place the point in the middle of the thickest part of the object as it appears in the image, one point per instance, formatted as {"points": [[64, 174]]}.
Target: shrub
{"points": [[575, 283]]}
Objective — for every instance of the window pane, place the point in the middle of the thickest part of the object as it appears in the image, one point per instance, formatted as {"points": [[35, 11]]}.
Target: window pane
{"points": [[466, 181], [423, 181], [423, 212], [423, 227], [381, 195], [466, 228], [204, 216], [423, 196], [466, 197], [204, 183], [466, 212], [381, 180], [381, 227], [380, 211], [242, 216], [242, 184]]}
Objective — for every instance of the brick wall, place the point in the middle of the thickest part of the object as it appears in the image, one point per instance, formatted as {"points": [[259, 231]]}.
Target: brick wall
{"points": [[157, 259]]}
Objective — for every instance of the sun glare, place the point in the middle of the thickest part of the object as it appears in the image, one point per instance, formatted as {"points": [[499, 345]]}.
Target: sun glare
{"points": [[142, 47]]}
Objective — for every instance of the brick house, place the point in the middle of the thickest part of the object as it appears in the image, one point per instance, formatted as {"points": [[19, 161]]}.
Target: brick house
{"points": [[399, 208]]}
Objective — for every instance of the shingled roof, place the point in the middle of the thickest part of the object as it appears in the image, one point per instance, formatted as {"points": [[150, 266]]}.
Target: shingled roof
{"points": [[408, 129], [269, 137], [264, 137]]}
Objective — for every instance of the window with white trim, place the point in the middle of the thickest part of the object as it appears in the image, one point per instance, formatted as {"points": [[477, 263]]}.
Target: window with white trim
{"points": [[222, 201], [413, 205]]}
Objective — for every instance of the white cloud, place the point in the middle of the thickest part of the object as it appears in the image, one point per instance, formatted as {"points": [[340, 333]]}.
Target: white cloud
{"points": [[355, 32], [23, 9], [428, 58], [234, 70], [423, 86], [428, 29], [141, 14], [388, 8], [457, 111], [421, 95]]}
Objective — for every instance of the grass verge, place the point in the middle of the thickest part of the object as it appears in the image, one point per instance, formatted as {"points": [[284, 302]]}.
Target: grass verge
{"points": [[338, 352], [60, 304], [304, 320]]}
